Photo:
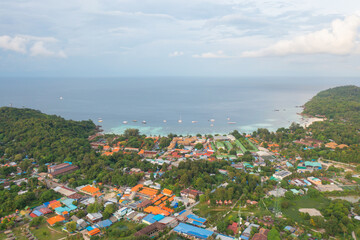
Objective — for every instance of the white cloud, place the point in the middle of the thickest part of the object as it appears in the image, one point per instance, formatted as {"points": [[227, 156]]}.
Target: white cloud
{"points": [[218, 54], [21, 43], [176, 54], [38, 49], [17, 44], [340, 39]]}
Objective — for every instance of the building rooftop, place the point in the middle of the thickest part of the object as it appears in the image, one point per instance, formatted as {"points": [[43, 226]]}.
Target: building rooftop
{"points": [[193, 231]]}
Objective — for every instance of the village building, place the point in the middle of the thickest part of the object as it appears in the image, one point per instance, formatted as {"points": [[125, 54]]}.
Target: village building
{"points": [[59, 169]]}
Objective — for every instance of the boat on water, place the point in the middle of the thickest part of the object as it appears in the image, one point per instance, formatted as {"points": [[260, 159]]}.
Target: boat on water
{"points": [[194, 121], [228, 119], [61, 98], [134, 120], [211, 125], [164, 121], [276, 110], [100, 120], [143, 122], [212, 120], [125, 122], [231, 122], [180, 121]]}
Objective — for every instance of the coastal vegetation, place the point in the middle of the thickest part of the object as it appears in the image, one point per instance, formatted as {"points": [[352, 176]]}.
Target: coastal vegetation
{"points": [[231, 172], [46, 138]]}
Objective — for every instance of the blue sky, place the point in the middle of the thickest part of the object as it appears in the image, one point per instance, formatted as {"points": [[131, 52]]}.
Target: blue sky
{"points": [[179, 38]]}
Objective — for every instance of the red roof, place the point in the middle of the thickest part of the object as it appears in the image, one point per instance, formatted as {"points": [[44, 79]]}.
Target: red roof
{"points": [[233, 227]]}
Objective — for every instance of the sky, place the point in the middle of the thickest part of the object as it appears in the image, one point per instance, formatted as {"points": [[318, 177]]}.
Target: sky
{"points": [[121, 38]]}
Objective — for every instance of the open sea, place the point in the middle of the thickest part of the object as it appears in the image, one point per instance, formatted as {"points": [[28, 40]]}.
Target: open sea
{"points": [[249, 103]]}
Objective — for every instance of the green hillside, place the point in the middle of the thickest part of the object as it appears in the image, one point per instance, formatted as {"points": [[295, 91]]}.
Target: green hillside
{"points": [[336, 103], [47, 138]]}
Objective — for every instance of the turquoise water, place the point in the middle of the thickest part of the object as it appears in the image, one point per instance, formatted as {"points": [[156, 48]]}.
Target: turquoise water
{"points": [[250, 102]]}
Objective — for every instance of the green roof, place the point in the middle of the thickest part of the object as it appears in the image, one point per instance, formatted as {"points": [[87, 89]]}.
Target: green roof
{"points": [[312, 164]]}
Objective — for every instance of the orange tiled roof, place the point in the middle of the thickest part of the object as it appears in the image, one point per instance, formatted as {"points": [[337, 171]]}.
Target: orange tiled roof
{"points": [[137, 187], [156, 210], [107, 153], [90, 189], [167, 191], [55, 219], [94, 232], [149, 191], [54, 204], [167, 209]]}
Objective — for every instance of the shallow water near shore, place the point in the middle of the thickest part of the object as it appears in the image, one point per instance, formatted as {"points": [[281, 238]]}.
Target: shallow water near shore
{"points": [[247, 103]]}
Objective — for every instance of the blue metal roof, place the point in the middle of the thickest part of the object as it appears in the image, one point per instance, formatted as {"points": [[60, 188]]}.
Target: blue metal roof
{"points": [[89, 228], [37, 213], [158, 217], [149, 218], [197, 223], [104, 224], [193, 231], [196, 218]]}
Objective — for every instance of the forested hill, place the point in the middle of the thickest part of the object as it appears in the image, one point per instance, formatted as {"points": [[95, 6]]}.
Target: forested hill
{"points": [[44, 137], [340, 103]]}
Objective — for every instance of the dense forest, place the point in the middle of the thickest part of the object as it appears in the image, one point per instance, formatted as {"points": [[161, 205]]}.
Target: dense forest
{"points": [[46, 138], [340, 103]]}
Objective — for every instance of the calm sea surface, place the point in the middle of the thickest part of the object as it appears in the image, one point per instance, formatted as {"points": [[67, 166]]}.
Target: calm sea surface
{"points": [[249, 102]]}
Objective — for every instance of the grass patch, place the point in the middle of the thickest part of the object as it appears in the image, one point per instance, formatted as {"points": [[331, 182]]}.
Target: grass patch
{"points": [[122, 230], [2, 236], [213, 214], [18, 234], [44, 233], [304, 202], [348, 187]]}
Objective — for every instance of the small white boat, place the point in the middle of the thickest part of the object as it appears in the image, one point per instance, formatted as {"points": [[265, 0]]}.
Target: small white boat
{"points": [[231, 122], [61, 98], [228, 119], [164, 121], [100, 120], [143, 122], [125, 122], [194, 121], [134, 120], [211, 125], [212, 120], [179, 121]]}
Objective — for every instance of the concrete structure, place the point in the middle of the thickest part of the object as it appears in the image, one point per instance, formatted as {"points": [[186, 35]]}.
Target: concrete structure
{"points": [[281, 174]]}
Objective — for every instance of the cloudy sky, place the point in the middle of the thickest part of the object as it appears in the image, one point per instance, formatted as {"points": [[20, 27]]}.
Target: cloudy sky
{"points": [[179, 38]]}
